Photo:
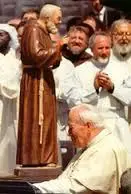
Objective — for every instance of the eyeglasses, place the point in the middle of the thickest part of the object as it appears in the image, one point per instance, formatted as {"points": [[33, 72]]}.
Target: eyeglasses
{"points": [[120, 34]]}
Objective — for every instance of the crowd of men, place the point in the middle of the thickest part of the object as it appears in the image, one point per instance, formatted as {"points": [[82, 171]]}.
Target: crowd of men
{"points": [[80, 83]]}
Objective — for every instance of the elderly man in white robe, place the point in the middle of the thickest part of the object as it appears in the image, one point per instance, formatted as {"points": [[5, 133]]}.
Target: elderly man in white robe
{"points": [[121, 50], [98, 166], [102, 81], [10, 74]]}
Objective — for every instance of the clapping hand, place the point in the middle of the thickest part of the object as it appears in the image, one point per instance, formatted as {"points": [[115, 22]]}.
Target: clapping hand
{"points": [[103, 80]]}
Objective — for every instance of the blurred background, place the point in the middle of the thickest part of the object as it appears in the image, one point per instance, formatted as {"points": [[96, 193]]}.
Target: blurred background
{"points": [[10, 9]]}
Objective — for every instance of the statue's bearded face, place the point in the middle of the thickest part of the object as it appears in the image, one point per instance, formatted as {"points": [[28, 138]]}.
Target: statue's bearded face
{"points": [[122, 39], [53, 22]]}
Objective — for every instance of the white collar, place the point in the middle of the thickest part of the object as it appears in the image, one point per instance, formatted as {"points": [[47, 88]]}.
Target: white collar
{"points": [[102, 10], [99, 137]]}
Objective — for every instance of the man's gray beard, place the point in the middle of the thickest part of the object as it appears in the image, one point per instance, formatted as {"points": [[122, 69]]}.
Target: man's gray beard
{"points": [[51, 27], [76, 52], [103, 61], [122, 52]]}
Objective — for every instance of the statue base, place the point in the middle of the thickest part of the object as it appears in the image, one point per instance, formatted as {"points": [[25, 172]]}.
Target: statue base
{"points": [[37, 174]]}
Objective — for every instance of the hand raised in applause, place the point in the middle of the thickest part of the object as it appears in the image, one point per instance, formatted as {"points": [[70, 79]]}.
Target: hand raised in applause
{"points": [[105, 81], [97, 82]]}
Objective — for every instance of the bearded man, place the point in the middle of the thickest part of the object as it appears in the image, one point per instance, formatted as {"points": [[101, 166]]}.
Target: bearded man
{"points": [[37, 138], [75, 49], [121, 37], [121, 51], [99, 79]]}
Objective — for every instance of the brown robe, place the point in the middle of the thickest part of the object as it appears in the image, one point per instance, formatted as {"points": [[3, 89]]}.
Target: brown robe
{"points": [[75, 59], [37, 55]]}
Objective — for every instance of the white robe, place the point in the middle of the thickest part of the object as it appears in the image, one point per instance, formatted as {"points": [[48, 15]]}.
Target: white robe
{"points": [[62, 107], [10, 75], [109, 104], [98, 168], [126, 63]]}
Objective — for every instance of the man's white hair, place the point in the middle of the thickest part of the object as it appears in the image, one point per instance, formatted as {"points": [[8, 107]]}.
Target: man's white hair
{"points": [[93, 38], [88, 113], [48, 10], [119, 22]]}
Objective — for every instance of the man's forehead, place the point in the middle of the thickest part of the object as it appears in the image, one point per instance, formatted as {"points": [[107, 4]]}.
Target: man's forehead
{"points": [[77, 32], [73, 116], [102, 39], [123, 27], [58, 12]]}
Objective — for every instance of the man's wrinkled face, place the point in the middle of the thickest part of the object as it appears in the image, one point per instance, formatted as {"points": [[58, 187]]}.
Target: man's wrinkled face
{"points": [[4, 39], [79, 133], [53, 23], [78, 42], [57, 18], [101, 49], [122, 39]]}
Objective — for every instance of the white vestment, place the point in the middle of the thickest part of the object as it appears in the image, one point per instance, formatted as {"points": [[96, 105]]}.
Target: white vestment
{"points": [[109, 104], [62, 107], [126, 63], [97, 168], [10, 75]]}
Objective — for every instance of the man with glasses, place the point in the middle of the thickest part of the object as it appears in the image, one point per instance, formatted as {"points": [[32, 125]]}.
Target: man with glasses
{"points": [[121, 50], [121, 37], [102, 79]]}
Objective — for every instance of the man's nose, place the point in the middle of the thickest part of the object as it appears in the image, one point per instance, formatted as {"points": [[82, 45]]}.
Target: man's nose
{"points": [[124, 36], [77, 40], [105, 51]]}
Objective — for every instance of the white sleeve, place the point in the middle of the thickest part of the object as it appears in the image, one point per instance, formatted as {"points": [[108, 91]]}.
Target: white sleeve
{"points": [[123, 92], [10, 76], [62, 186], [54, 186], [74, 93], [88, 176]]}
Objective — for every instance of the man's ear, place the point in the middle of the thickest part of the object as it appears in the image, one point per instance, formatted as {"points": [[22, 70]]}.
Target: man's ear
{"points": [[90, 124]]}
